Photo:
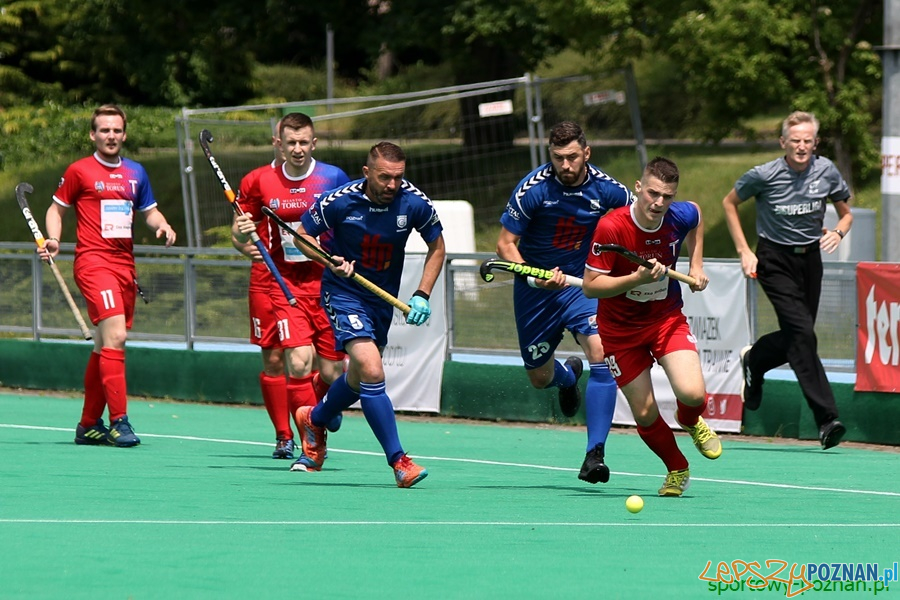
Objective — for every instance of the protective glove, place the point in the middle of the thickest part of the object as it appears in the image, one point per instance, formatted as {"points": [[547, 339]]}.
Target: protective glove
{"points": [[420, 310]]}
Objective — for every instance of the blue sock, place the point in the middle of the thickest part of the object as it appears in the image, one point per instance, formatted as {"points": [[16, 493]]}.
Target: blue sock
{"points": [[379, 413], [563, 376], [599, 404], [340, 396]]}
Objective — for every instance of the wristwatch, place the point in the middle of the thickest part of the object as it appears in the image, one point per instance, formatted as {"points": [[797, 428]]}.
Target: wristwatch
{"points": [[840, 233]]}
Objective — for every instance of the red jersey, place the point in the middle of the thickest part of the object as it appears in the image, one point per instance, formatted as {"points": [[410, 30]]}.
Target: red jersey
{"points": [[645, 304], [290, 197], [105, 197], [260, 278]]}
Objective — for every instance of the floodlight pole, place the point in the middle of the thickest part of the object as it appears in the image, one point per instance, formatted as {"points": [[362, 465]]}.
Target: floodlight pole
{"points": [[890, 134], [634, 109]]}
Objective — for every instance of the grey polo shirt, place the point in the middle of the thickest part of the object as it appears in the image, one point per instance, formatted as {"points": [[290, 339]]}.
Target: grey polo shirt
{"points": [[790, 206]]}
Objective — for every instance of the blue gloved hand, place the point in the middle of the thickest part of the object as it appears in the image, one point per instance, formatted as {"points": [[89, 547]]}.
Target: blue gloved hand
{"points": [[419, 312]]}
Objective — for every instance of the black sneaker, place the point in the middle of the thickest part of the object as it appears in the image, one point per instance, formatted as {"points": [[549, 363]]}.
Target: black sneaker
{"points": [[593, 469], [830, 434], [751, 390], [95, 435], [283, 449], [570, 397], [121, 434]]}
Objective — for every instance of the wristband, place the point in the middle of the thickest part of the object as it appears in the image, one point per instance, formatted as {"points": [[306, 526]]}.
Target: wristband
{"points": [[531, 281], [57, 239], [421, 294], [840, 233]]}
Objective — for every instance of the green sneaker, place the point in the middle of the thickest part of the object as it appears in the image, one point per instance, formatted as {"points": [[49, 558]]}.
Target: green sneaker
{"points": [[676, 483], [705, 439]]}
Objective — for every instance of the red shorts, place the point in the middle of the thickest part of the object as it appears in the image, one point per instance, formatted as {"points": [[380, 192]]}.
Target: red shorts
{"points": [[263, 329], [108, 289], [305, 325], [629, 351]]}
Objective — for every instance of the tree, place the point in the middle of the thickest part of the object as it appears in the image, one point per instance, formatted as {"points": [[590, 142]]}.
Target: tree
{"points": [[27, 52], [482, 40], [742, 58], [156, 53], [137, 51]]}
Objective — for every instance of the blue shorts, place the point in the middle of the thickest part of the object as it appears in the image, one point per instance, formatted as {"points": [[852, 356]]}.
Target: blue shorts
{"points": [[352, 318], [542, 318]]}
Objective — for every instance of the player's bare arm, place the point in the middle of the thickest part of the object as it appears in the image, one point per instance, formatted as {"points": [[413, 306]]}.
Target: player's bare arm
{"points": [[694, 245], [831, 238], [157, 222], [434, 262], [53, 226], [241, 228], [733, 220], [601, 285], [247, 248]]}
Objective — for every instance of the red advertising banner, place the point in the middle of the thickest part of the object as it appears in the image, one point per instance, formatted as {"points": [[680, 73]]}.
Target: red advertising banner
{"points": [[878, 331]]}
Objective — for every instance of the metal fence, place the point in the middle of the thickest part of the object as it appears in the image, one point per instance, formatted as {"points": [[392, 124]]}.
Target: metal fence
{"points": [[200, 295], [476, 155]]}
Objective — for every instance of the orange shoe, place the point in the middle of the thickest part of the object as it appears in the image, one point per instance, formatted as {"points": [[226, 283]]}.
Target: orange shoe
{"points": [[312, 438], [407, 472]]}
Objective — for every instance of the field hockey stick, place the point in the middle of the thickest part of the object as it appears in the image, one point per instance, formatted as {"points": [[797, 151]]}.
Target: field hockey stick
{"points": [[362, 281], [137, 286], [522, 270], [643, 262], [205, 138], [21, 190]]}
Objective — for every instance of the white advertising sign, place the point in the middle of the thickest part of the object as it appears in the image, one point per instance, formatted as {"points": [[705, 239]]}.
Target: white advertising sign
{"points": [[890, 165], [414, 356]]}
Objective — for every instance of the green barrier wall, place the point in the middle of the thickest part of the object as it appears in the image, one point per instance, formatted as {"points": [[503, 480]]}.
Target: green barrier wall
{"points": [[491, 392]]}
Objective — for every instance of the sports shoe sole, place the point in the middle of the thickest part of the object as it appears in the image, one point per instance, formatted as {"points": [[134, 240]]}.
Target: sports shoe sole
{"points": [[409, 484]]}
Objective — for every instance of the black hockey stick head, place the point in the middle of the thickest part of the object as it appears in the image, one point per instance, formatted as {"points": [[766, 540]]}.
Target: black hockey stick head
{"points": [[22, 189], [205, 138], [485, 269]]}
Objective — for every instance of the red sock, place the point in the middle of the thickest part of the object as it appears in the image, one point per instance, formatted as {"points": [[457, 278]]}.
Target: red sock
{"points": [[112, 374], [94, 398], [688, 415], [661, 440], [300, 393], [319, 386], [274, 393]]}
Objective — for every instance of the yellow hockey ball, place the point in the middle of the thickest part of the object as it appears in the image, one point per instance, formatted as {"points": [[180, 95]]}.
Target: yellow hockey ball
{"points": [[634, 504]]}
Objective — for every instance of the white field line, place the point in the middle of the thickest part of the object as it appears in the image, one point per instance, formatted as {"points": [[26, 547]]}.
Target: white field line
{"points": [[492, 463], [439, 523]]}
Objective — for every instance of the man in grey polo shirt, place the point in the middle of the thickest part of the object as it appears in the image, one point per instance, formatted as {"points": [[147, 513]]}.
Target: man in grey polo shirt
{"points": [[791, 194]]}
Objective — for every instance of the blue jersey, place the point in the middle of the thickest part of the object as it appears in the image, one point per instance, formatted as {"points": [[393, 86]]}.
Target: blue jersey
{"points": [[555, 222], [371, 234]]}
